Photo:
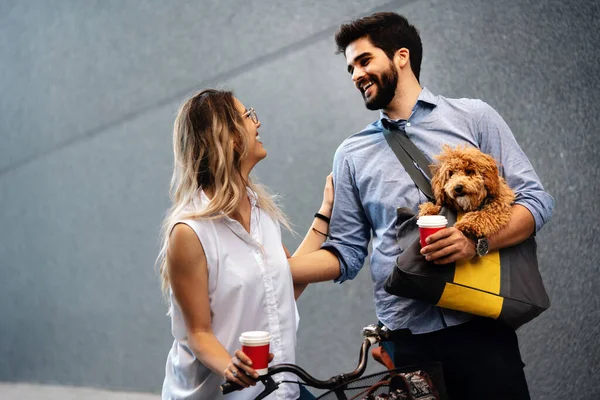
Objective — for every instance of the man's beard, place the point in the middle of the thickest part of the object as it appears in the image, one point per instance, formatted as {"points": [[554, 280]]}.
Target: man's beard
{"points": [[386, 89]]}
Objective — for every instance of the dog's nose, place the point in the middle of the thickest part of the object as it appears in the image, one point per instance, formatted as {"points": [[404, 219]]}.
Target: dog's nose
{"points": [[458, 189]]}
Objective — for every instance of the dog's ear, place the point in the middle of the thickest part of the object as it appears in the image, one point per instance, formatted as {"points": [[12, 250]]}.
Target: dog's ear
{"points": [[440, 176], [491, 179], [446, 149], [434, 169]]}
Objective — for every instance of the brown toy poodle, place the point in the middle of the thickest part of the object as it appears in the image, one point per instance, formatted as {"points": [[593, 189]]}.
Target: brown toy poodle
{"points": [[467, 180]]}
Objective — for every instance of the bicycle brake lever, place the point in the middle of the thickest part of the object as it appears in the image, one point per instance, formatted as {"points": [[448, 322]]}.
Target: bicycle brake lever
{"points": [[375, 331], [270, 387], [384, 333], [370, 330], [268, 382]]}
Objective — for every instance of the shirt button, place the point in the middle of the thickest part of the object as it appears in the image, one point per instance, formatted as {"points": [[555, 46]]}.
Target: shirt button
{"points": [[408, 124]]}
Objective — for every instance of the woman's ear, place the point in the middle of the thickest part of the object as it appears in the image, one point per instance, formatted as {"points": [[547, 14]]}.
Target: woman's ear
{"points": [[237, 143], [236, 149]]}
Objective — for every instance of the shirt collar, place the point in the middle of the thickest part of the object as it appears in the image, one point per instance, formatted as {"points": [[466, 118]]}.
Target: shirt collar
{"points": [[253, 196], [425, 97], [201, 200]]}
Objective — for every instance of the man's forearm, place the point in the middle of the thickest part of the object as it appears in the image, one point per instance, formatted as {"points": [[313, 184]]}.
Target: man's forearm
{"points": [[319, 266], [519, 228], [451, 245]]}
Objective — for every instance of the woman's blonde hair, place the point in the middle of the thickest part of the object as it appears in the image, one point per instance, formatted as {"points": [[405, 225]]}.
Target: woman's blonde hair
{"points": [[209, 145]]}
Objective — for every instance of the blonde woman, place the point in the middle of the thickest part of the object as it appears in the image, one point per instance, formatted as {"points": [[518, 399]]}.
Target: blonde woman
{"points": [[223, 265]]}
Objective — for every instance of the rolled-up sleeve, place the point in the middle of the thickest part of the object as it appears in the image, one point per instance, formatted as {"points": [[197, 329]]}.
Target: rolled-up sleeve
{"points": [[497, 140], [349, 231]]}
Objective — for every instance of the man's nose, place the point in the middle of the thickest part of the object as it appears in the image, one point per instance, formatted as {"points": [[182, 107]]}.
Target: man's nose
{"points": [[357, 75]]}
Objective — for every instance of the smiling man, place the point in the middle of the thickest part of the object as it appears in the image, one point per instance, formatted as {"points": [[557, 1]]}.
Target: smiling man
{"points": [[480, 356]]}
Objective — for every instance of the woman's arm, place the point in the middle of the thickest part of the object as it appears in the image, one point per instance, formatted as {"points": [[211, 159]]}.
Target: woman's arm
{"points": [[317, 233], [188, 275]]}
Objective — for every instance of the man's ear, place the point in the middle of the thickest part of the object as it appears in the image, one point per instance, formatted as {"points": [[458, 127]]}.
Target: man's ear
{"points": [[402, 57]]}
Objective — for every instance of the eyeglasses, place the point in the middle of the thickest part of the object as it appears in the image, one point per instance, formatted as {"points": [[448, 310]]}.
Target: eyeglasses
{"points": [[250, 113]]}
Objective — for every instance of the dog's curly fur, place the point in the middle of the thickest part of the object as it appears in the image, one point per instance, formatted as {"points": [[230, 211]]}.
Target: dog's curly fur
{"points": [[467, 180]]}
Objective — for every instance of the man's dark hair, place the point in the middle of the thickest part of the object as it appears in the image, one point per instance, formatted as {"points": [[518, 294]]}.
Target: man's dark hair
{"points": [[388, 31]]}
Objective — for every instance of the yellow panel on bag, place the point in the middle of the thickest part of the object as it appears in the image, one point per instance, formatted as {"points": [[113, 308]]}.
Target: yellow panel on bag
{"points": [[471, 301], [481, 272]]}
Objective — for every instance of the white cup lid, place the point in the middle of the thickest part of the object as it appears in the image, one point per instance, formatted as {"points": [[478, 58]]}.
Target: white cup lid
{"points": [[255, 337], [432, 221]]}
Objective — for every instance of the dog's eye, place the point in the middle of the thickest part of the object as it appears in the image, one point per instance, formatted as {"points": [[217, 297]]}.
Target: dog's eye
{"points": [[450, 173], [469, 172]]}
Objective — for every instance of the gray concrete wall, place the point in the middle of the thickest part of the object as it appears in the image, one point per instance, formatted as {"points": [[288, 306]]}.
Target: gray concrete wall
{"points": [[89, 92]]}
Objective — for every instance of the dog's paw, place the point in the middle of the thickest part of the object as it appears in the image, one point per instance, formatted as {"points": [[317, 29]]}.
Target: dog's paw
{"points": [[469, 227], [429, 209]]}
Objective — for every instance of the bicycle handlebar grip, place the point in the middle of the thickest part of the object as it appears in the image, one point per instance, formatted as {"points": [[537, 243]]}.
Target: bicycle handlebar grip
{"points": [[229, 387]]}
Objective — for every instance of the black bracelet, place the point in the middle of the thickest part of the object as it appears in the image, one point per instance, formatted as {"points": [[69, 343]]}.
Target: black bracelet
{"points": [[322, 217], [319, 232]]}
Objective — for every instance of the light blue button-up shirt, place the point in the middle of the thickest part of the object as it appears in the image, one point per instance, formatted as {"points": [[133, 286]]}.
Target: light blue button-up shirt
{"points": [[370, 184]]}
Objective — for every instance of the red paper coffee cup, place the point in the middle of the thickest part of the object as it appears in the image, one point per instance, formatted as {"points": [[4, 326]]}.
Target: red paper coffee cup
{"points": [[255, 344], [430, 224]]}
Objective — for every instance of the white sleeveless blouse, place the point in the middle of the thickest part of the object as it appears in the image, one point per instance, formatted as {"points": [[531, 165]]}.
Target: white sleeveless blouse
{"points": [[250, 288]]}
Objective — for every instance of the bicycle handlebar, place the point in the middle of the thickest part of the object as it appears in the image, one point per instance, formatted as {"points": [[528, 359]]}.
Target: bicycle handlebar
{"points": [[331, 383]]}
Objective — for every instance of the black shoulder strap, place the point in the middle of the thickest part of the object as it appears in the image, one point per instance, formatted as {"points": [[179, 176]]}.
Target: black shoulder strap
{"points": [[412, 159]]}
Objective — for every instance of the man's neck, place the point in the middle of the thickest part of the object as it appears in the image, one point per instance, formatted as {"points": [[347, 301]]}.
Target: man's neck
{"points": [[403, 102]]}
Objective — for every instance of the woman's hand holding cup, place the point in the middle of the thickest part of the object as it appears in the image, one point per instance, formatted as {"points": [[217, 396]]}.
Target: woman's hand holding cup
{"points": [[240, 369], [254, 354]]}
